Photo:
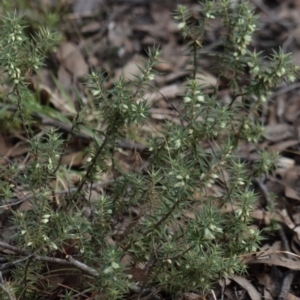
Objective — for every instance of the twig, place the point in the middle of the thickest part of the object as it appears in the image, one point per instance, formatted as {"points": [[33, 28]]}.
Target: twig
{"points": [[214, 295], [13, 202], [13, 263], [68, 261], [289, 276], [47, 121], [286, 284]]}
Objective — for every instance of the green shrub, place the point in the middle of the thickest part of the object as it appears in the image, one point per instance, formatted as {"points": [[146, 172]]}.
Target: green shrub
{"points": [[180, 234]]}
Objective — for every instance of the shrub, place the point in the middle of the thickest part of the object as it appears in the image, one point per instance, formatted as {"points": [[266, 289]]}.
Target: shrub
{"points": [[178, 234]]}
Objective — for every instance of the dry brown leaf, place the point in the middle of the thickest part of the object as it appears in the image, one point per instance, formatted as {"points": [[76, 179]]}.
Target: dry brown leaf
{"points": [[131, 69], [18, 149], [292, 111], [291, 181], [283, 145], [72, 59], [86, 6], [267, 250], [73, 159], [118, 35], [296, 229], [155, 31], [265, 216], [192, 296], [26, 205], [248, 286], [57, 101], [279, 261], [91, 27], [278, 132], [285, 163], [206, 79], [292, 297], [3, 149], [64, 78], [267, 295], [55, 281], [169, 92]]}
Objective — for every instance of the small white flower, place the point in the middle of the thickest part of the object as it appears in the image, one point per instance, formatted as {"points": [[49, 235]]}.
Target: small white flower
{"points": [[291, 78], [255, 69], [238, 212], [251, 231], [181, 25], [187, 99], [150, 77], [177, 144], [54, 246], [247, 38], [115, 265], [200, 98], [263, 99], [241, 21], [108, 270], [95, 92], [179, 184]]}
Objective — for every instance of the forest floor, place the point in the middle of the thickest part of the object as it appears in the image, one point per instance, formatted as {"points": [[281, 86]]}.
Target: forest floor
{"points": [[114, 36]]}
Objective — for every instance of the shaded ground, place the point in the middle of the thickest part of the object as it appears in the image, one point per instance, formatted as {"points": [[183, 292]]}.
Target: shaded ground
{"points": [[114, 35]]}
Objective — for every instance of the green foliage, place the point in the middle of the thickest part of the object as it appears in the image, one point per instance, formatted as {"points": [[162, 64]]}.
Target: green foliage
{"points": [[181, 234]]}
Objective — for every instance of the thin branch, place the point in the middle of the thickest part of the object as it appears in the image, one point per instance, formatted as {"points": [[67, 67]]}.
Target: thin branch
{"points": [[13, 201], [47, 121], [289, 276], [10, 264], [68, 261]]}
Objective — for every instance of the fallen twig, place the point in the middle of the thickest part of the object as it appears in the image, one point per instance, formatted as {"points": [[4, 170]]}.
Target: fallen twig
{"points": [[68, 261]]}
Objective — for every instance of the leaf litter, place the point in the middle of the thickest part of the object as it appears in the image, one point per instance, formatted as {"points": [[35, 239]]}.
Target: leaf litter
{"points": [[116, 42]]}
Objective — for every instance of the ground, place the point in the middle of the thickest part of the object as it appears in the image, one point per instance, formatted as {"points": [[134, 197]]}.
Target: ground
{"points": [[114, 35]]}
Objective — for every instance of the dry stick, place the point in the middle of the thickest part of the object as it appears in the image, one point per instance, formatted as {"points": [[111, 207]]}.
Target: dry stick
{"points": [[68, 261], [289, 277], [13, 263], [72, 289], [12, 202], [47, 121]]}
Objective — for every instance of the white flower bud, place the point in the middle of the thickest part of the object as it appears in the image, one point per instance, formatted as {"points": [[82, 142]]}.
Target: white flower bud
{"points": [[181, 25]]}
